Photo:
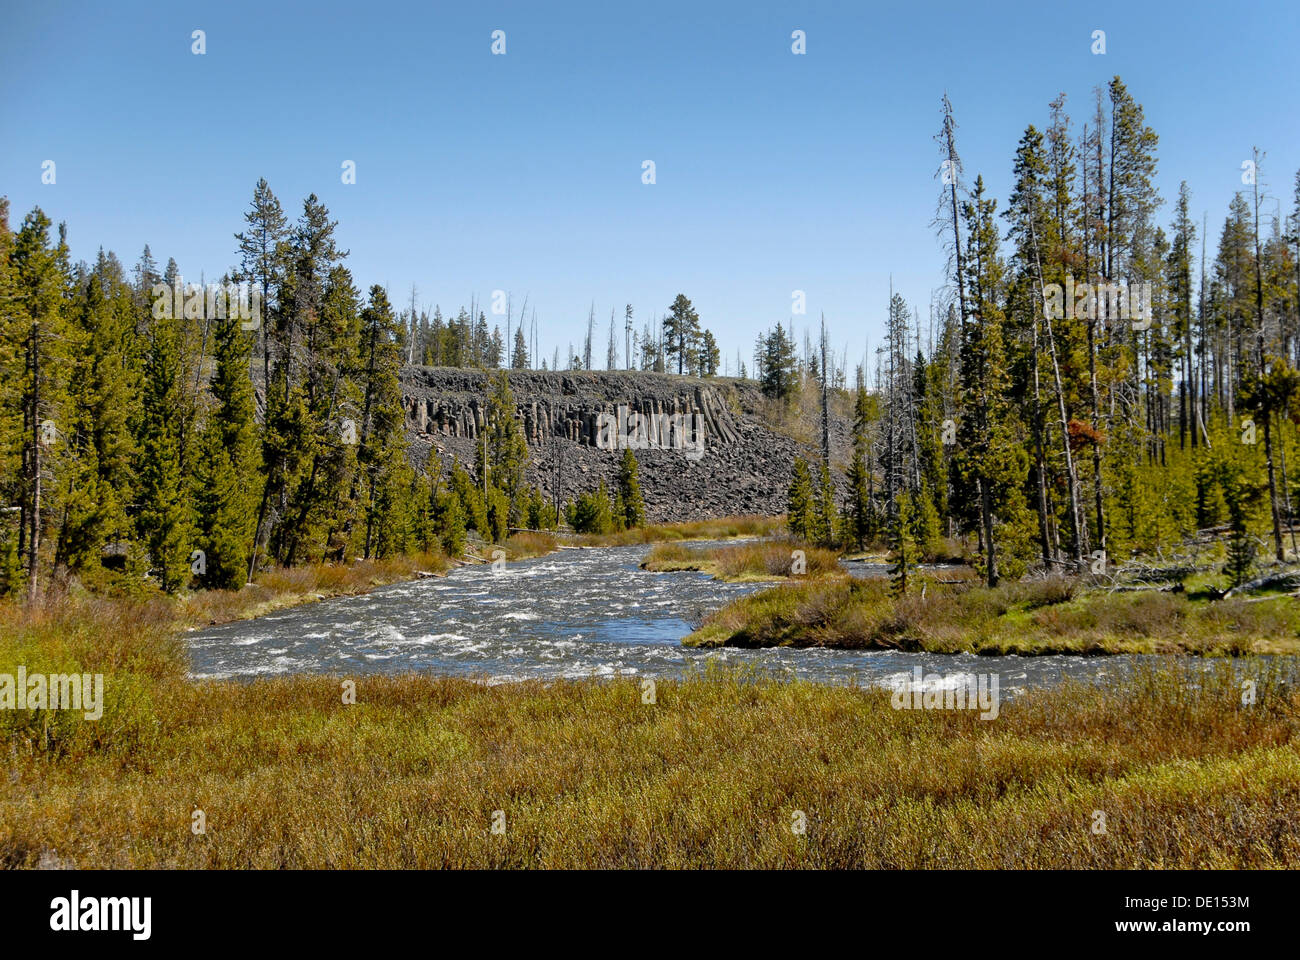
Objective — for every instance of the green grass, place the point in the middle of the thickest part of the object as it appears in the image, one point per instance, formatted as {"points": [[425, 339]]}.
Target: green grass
{"points": [[1029, 617]]}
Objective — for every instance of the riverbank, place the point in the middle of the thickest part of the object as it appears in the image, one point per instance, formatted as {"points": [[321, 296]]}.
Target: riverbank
{"points": [[716, 771], [1053, 616]]}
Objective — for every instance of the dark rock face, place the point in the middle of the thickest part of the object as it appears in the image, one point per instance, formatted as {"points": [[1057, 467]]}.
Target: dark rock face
{"points": [[702, 449]]}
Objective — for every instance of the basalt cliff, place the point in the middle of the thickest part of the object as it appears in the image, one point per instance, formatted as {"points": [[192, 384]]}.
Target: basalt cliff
{"points": [[704, 447]]}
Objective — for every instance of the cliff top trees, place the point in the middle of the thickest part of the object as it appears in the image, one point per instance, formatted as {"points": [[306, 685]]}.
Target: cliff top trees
{"points": [[778, 375], [682, 333], [519, 355]]}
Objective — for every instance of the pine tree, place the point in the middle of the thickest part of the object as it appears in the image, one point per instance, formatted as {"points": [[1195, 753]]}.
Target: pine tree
{"points": [[262, 257], [592, 512], [632, 507], [682, 333], [519, 360], [709, 355], [228, 470], [12, 474], [799, 502], [381, 454], [901, 544], [991, 458], [98, 477], [777, 367], [165, 520], [35, 326], [825, 514], [506, 449], [470, 498], [433, 343]]}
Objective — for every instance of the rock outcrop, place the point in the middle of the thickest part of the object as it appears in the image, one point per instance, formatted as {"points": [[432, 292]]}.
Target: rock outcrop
{"points": [[703, 448]]}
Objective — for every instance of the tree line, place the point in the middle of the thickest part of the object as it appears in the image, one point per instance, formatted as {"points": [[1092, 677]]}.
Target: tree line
{"points": [[1097, 390], [179, 442]]}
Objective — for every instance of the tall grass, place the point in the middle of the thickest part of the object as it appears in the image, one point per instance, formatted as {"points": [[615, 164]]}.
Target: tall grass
{"points": [[760, 560], [715, 773], [286, 586], [721, 528]]}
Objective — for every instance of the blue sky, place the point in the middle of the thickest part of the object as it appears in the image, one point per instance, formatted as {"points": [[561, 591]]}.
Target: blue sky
{"points": [[522, 172]]}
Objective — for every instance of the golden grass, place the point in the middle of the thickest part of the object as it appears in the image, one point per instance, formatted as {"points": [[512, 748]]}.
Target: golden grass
{"points": [[1028, 617], [283, 587], [715, 773], [760, 560], [530, 543], [722, 528]]}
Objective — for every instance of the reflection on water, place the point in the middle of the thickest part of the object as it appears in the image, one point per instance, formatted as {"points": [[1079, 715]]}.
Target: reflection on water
{"points": [[575, 613]]}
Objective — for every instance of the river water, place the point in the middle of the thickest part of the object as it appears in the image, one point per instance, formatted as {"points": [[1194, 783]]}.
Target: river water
{"points": [[574, 613]]}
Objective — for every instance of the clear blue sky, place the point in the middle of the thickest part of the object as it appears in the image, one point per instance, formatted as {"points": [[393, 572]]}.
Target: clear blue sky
{"points": [[522, 172]]}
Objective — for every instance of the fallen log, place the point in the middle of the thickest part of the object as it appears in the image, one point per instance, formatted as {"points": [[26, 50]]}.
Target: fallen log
{"points": [[1289, 577]]}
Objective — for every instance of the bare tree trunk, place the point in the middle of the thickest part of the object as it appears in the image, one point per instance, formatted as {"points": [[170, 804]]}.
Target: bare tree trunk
{"points": [[1267, 406], [34, 466]]}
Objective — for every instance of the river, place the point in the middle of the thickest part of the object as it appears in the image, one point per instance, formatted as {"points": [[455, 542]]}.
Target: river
{"points": [[573, 613]]}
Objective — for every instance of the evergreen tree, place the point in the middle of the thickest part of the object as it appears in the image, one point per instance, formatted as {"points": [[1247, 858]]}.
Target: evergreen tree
{"points": [[519, 360], [778, 369], [470, 498], [592, 512], [381, 454], [902, 545], [709, 355], [35, 327], [228, 469], [682, 333], [799, 503], [631, 507], [262, 258], [824, 532], [165, 519], [98, 477]]}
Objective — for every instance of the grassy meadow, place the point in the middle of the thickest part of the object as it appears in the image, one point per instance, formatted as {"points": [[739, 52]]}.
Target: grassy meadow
{"points": [[719, 771], [724, 768]]}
